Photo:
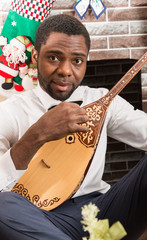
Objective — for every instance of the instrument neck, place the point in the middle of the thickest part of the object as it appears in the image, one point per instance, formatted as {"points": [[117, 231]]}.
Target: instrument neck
{"points": [[120, 85]]}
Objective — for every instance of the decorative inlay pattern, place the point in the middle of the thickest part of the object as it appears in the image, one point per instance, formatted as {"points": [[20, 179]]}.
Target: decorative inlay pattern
{"points": [[107, 100], [20, 189], [95, 113]]}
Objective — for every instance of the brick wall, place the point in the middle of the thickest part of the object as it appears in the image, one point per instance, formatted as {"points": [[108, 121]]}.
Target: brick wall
{"points": [[120, 32]]}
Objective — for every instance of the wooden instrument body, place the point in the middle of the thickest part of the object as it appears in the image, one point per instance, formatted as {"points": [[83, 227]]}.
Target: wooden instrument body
{"points": [[59, 167]]}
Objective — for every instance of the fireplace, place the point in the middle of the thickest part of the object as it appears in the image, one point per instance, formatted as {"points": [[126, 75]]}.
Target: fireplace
{"points": [[120, 157]]}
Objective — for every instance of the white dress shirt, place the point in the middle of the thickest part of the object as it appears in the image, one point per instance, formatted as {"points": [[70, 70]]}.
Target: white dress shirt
{"points": [[20, 111]]}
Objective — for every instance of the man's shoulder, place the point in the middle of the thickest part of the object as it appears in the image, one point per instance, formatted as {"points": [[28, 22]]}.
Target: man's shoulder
{"points": [[92, 94], [18, 100]]}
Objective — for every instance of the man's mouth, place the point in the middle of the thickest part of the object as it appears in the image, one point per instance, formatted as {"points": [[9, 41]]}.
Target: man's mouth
{"points": [[62, 86]]}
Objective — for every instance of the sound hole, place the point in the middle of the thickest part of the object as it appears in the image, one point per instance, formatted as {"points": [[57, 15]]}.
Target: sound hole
{"points": [[70, 139]]}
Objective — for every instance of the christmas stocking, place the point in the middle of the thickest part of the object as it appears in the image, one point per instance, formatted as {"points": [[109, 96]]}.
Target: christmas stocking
{"points": [[23, 19]]}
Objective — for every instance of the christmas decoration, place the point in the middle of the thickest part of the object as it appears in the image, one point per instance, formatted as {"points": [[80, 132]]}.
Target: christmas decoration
{"points": [[81, 7], [23, 19], [31, 79], [12, 61], [99, 229]]}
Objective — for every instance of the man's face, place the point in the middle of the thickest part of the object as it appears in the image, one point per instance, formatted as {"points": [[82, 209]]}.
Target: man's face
{"points": [[62, 64]]}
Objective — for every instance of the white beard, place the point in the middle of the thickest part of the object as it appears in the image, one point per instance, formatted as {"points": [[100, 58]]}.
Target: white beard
{"points": [[12, 55]]}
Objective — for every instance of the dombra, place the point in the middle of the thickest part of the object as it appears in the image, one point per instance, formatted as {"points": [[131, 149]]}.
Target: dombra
{"points": [[59, 167]]}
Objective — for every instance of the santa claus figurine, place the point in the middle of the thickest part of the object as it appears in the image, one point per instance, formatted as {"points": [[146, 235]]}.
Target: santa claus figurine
{"points": [[12, 60]]}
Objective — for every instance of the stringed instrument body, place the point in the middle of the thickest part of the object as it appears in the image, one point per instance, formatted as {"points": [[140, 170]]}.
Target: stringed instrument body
{"points": [[58, 168]]}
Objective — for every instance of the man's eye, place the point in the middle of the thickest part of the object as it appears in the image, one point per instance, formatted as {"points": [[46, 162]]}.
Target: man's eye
{"points": [[78, 61], [53, 58]]}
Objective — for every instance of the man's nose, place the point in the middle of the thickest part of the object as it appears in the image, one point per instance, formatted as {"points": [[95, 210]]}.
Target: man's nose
{"points": [[65, 68]]}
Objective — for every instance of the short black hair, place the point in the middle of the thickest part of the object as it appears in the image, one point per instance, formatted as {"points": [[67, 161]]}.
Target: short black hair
{"points": [[61, 23]]}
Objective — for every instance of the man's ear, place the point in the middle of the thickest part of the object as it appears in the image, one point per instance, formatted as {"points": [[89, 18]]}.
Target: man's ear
{"points": [[34, 56]]}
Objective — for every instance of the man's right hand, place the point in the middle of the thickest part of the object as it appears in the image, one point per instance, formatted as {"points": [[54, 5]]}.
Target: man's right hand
{"points": [[64, 119]]}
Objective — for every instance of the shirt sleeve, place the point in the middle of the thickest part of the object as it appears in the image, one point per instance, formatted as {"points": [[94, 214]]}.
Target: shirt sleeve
{"points": [[127, 124], [8, 173], [8, 136]]}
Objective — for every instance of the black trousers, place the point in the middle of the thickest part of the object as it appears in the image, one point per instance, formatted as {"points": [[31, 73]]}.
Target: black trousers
{"points": [[126, 202]]}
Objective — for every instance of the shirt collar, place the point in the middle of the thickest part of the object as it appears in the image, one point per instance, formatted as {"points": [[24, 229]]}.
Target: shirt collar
{"points": [[48, 101]]}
